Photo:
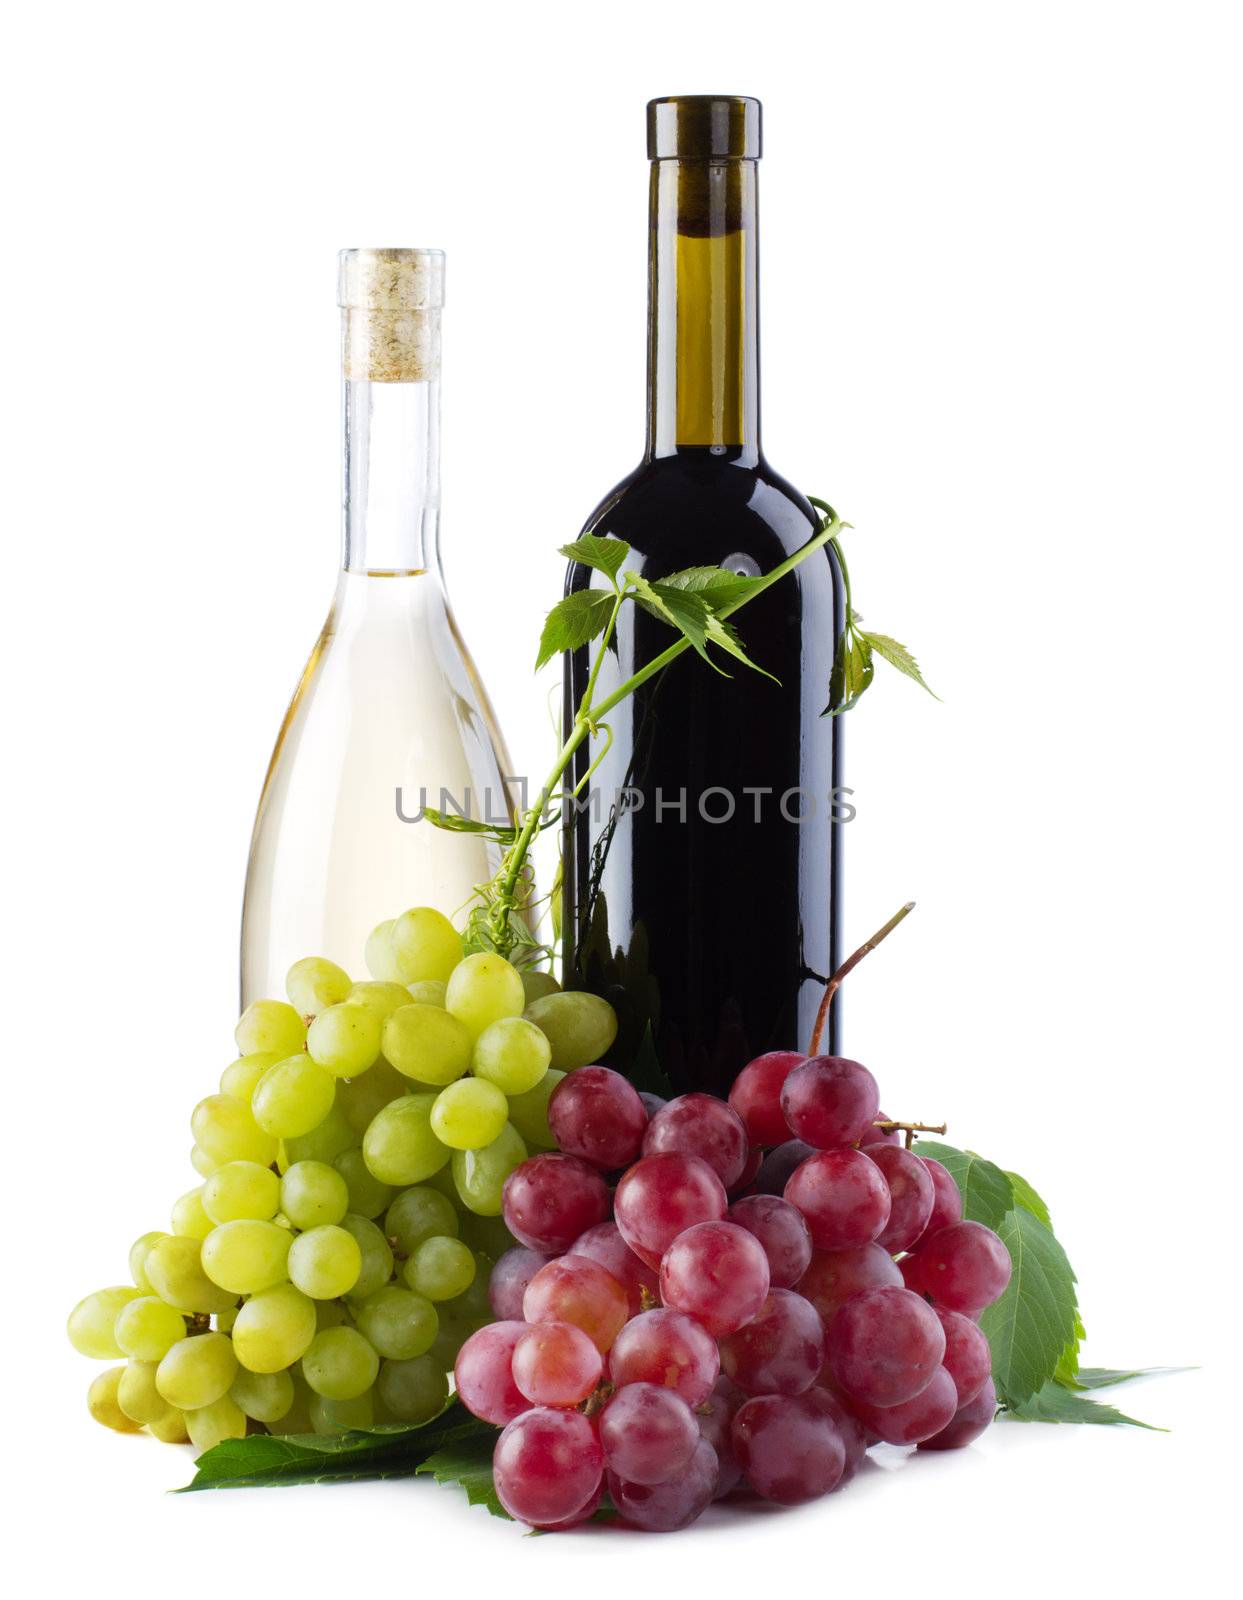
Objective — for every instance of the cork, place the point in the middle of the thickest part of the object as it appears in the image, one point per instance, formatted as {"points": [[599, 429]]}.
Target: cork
{"points": [[391, 302]]}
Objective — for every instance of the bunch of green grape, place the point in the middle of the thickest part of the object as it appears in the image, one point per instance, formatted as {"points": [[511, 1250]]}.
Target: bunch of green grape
{"points": [[336, 1254]]}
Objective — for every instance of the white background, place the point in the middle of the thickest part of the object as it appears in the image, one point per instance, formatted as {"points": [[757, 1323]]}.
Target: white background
{"points": [[1001, 332]]}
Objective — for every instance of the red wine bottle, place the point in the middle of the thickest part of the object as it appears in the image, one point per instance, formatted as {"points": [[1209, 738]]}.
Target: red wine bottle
{"points": [[702, 865]]}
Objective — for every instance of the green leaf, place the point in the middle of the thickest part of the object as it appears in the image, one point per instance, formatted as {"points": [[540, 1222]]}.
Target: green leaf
{"points": [[468, 1466], [986, 1193], [265, 1459], [716, 586], [574, 621], [1105, 1377], [853, 670], [1068, 1362], [605, 555], [725, 636], [1052, 1403], [1031, 1325], [690, 615], [1026, 1196], [453, 823], [897, 655]]}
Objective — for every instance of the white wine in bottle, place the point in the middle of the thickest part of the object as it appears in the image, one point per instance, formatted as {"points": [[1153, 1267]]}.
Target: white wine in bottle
{"points": [[389, 716]]}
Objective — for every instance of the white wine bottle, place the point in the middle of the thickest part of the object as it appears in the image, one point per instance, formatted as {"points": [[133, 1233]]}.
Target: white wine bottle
{"points": [[390, 716]]}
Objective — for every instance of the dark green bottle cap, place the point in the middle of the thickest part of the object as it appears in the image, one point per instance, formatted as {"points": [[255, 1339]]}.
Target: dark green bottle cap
{"points": [[703, 127]]}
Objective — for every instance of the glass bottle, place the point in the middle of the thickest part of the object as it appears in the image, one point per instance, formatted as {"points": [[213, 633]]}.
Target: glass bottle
{"points": [[390, 714]]}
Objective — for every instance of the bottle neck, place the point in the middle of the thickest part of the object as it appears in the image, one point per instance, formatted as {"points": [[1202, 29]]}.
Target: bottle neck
{"points": [[391, 485], [703, 309]]}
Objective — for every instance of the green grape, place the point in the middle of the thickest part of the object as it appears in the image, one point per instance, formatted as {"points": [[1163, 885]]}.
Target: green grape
{"points": [[345, 1039], [189, 1220], [101, 1401], [529, 1112], [227, 1131], [536, 984], [367, 1195], [315, 983], [338, 1416], [92, 1322], [138, 1253], [273, 1329], [479, 1175], [472, 1306], [424, 944], [171, 1427], [398, 1324], [399, 1147], [482, 989], [324, 1143], [197, 1371], [426, 1043], [429, 992], [377, 1255], [378, 953], [330, 1314], [339, 1364], [440, 1269], [137, 1394], [146, 1329], [313, 1193], [513, 1054], [412, 1391], [293, 1097], [360, 1098], [270, 1026], [239, 1078], [486, 1235], [580, 1027], [174, 1268], [382, 998], [265, 1396], [202, 1163], [225, 1319], [418, 1214], [246, 1257], [298, 1418], [241, 1189], [212, 1424], [469, 1114], [325, 1262]]}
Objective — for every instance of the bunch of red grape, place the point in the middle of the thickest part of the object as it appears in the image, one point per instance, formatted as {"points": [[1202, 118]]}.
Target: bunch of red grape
{"points": [[730, 1313]]}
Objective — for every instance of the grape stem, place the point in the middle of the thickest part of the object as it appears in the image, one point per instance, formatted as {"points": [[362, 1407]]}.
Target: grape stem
{"points": [[910, 1129], [847, 967]]}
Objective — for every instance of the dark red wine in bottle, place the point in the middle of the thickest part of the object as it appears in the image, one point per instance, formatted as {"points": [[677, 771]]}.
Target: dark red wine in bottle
{"points": [[702, 866]]}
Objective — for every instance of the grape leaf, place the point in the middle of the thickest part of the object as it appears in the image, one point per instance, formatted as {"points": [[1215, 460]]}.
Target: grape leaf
{"points": [[897, 655], [1026, 1196], [1068, 1362], [986, 1193], [574, 621], [1032, 1323], [453, 823], [690, 614], [853, 670], [1105, 1377], [468, 1465], [1053, 1403], [605, 555], [716, 586]]}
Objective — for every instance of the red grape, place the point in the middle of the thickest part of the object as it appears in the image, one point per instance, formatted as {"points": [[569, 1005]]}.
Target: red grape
{"points": [[660, 1197], [916, 1419], [578, 1290], [700, 1125], [782, 1232], [651, 1102], [884, 1346], [755, 1160], [844, 1197], [910, 1268], [778, 1164], [789, 1446], [854, 1435], [756, 1095], [666, 1507], [547, 1466], [597, 1115], [875, 1135], [583, 1514], [483, 1373], [781, 1351], [947, 1201], [964, 1267], [969, 1422], [830, 1101], [604, 1244], [648, 1433], [717, 1273], [911, 1195], [715, 1417], [968, 1359], [551, 1199], [508, 1283], [834, 1275], [669, 1348], [556, 1364]]}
